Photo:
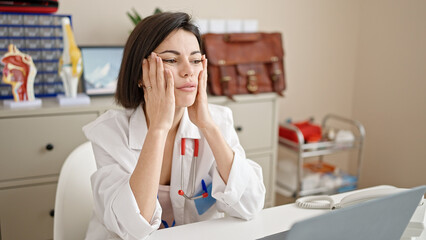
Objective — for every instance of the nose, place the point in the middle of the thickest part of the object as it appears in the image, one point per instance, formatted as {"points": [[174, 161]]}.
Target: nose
{"points": [[186, 70]]}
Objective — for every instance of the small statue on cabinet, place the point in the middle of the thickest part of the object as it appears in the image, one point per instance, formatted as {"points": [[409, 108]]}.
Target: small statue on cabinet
{"points": [[19, 71], [70, 63], [70, 68]]}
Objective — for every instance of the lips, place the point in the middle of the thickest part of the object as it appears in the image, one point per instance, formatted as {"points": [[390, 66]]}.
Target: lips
{"points": [[188, 87]]}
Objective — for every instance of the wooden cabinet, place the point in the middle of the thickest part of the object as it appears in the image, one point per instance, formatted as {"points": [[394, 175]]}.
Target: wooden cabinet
{"points": [[32, 145], [35, 142], [256, 123], [26, 211]]}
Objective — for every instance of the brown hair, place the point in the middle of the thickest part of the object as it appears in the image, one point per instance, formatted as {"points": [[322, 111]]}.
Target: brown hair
{"points": [[144, 39]]}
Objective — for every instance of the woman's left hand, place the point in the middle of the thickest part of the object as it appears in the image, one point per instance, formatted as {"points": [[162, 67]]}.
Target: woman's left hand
{"points": [[199, 112], [200, 116]]}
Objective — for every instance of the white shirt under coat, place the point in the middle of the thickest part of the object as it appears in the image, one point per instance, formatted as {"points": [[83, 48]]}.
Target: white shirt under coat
{"points": [[117, 138]]}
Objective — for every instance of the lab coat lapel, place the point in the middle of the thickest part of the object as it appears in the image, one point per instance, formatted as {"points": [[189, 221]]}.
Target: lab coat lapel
{"points": [[137, 129], [189, 131], [137, 133]]}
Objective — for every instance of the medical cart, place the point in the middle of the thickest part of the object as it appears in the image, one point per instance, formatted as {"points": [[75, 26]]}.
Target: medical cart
{"points": [[320, 149]]}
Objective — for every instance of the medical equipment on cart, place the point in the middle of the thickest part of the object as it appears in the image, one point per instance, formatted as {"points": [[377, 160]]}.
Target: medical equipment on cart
{"points": [[304, 149]]}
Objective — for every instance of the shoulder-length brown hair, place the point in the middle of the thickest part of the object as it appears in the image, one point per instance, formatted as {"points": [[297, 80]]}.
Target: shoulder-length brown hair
{"points": [[143, 40]]}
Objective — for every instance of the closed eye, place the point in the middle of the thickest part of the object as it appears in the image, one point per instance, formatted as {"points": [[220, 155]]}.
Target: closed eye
{"points": [[169, 60]]}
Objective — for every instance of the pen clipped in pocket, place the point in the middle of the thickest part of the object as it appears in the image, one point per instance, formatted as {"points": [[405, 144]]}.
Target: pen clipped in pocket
{"points": [[203, 204]]}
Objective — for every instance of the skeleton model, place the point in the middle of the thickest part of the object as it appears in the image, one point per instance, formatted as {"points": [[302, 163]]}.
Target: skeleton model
{"points": [[70, 63], [19, 71]]}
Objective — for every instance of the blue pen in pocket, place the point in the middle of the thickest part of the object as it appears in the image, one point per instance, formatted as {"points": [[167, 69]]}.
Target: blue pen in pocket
{"points": [[203, 204]]}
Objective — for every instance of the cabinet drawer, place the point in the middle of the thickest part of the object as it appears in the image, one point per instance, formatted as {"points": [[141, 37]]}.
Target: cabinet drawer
{"points": [[253, 122], [25, 212], [265, 161], [38, 145]]}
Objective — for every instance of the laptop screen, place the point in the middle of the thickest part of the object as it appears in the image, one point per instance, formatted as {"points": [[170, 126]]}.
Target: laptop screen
{"points": [[384, 218], [101, 66]]}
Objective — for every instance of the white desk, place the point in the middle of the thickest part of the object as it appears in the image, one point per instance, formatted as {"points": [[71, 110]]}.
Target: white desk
{"points": [[268, 221]]}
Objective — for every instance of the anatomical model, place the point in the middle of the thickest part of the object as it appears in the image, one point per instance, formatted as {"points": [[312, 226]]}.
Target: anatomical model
{"points": [[70, 63], [19, 71]]}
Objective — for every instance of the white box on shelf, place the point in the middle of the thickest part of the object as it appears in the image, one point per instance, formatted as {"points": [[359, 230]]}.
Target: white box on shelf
{"points": [[234, 26], [217, 26], [250, 25], [203, 25]]}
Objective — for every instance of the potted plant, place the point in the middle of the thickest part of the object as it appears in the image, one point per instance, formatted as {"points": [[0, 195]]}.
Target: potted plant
{"points": [[135, 17]]}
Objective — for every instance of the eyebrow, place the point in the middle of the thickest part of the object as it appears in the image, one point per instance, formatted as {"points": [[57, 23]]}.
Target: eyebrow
{"points": [[178, 53]]}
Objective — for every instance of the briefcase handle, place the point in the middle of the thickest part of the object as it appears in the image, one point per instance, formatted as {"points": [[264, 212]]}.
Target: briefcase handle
{"points": [[242, 37]]}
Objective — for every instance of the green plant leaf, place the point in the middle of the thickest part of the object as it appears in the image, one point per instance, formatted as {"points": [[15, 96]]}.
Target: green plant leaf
{"points": [[134, 21], [157, 10], [136, 15], [136, 18]]}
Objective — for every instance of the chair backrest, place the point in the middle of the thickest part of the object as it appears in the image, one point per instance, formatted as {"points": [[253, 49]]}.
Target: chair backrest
{"points": [[74, 201]]}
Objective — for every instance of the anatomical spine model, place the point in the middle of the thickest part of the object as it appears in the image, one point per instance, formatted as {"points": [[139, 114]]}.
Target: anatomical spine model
{"points": [[70, 63], [19, 71]]}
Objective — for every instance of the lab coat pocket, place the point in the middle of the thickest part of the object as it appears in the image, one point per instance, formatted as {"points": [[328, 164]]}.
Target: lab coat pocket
{"points": [[203, 204]]}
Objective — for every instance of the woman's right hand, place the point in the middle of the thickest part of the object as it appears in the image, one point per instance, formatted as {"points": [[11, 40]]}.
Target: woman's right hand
{"points": [[159, 93]]}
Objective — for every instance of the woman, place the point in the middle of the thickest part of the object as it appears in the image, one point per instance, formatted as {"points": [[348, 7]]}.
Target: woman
{"points": [[169, 145]]}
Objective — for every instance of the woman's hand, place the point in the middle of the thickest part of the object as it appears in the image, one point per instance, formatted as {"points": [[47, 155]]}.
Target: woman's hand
{"points": [[200, 116], [159, 93], [199, 112]]}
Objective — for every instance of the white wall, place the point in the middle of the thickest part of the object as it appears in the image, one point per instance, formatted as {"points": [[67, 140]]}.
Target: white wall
{"points": [[390, 91], [320, 40], [360, 59]]}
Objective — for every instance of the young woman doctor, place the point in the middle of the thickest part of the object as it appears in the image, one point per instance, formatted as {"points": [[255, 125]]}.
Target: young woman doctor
{"points": [[169, 158]]}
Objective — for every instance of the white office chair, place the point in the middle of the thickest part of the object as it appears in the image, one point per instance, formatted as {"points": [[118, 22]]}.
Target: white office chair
{"points": [[74, 201]]}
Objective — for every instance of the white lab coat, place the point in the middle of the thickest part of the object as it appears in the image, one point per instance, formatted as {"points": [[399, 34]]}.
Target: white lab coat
{"points": [[117, 137]]}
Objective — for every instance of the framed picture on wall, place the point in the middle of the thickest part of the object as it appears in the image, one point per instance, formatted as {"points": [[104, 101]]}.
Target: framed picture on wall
{"points": [[101, 65]]}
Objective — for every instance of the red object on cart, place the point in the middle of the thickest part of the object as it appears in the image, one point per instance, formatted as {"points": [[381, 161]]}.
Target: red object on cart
{"points": [[310, 132], [35, 6], [319, 167]]}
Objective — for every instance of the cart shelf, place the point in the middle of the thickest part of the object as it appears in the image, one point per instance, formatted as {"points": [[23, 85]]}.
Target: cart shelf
{"points": [[321, 149]]}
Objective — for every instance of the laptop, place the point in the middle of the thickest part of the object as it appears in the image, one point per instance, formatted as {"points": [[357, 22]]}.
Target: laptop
{"points": [[383, 218]]}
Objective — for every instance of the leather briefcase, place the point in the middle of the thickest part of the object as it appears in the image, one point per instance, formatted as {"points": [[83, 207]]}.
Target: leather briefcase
{"points": [[244, 63]]}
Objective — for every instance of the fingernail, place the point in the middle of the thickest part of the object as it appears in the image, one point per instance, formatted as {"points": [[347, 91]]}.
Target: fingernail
{"points": [[152, 55], [144, 61]]}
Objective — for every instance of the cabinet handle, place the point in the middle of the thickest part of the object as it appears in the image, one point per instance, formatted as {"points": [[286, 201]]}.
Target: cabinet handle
{"points": [[239, 128], [49, 147], [52, 213]]}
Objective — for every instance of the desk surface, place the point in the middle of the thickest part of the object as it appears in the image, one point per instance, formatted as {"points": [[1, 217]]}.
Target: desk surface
{"points": [[269, 221]]}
